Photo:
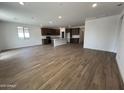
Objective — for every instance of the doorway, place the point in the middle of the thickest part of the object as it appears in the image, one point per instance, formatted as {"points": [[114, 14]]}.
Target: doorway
{"points": [[81, 40], [62, 34]]}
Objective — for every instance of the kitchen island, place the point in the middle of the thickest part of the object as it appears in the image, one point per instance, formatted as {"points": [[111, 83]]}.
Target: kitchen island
{"points": [[59, 41]]}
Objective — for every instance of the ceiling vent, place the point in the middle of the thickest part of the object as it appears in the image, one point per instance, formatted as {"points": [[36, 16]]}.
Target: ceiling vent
{"points": [[120, 4]]}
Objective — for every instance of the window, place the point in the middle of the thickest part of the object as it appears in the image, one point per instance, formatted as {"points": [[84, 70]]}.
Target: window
{"points": [[23, 33], [20, 32], [26, 33]]}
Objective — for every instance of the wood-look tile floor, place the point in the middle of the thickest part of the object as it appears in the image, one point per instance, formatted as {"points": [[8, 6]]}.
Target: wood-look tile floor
{"points": [[63, 67]]}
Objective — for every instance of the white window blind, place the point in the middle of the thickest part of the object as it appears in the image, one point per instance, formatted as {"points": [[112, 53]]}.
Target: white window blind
{"points": [[26, 33], [20, 32], [23, 32]]}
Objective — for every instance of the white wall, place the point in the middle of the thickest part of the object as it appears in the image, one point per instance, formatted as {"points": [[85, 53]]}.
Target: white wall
{"points": [[0, 37], [120, 51], [10, 37], [101, 33]]}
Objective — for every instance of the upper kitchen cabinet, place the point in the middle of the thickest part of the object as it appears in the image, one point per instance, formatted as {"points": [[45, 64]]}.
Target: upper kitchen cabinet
{"points": [[50, 31]]}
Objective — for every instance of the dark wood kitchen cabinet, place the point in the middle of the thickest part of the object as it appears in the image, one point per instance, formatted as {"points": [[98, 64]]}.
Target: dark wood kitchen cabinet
{"points": [[50, 31], [73, 31]]}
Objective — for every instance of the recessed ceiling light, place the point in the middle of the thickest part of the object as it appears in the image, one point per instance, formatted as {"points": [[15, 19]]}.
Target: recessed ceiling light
{"points": [[21, 3], [50, 22], [15, 18], [32, 17], [94, 5], [60, 17], [69, 26], [60, 3]]}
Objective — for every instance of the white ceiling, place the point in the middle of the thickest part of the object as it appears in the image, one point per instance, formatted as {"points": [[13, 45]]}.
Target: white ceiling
{"points": [[41, 13]]}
